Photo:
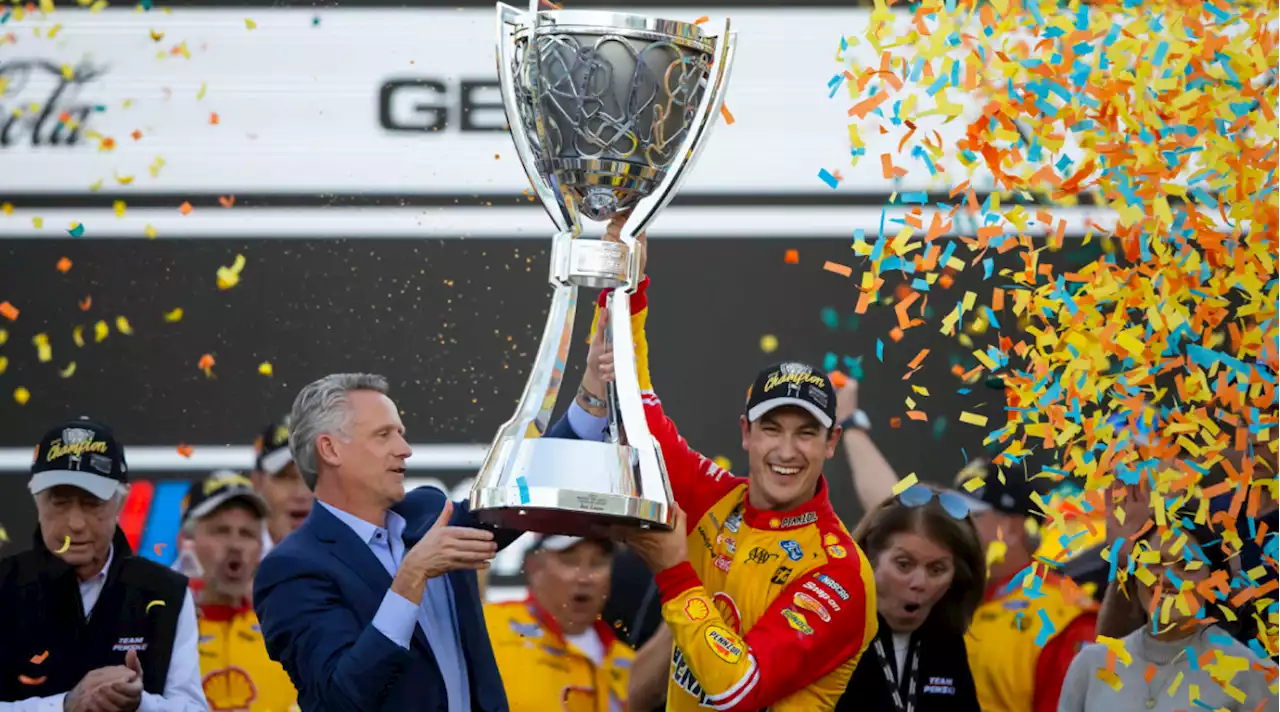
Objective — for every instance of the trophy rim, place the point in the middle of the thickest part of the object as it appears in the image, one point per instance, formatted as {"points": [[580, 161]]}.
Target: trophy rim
{"points": [[627, 25]]}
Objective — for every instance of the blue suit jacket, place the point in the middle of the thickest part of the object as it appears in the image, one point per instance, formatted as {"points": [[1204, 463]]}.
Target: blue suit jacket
{"points": [[316, 594]]}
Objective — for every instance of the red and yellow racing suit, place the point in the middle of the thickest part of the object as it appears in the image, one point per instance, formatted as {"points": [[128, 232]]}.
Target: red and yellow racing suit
{"points": [[772, 609], [234, 665]]}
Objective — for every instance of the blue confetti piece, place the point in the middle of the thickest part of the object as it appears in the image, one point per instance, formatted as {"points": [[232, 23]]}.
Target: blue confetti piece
{"points": [[988, 266], [1047, 629], [523, 485], [76, 231], [880, 350], [829, 362], [827, 178], [831, 318]]}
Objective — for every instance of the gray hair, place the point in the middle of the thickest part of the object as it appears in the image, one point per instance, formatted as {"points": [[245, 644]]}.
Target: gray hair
{"points": [[322, 407]]}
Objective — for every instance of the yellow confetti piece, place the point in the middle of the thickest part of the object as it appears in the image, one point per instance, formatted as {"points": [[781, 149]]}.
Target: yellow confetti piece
{"points": [[69, 371], [68, 72], [173, 316], [77, 335], [995, 553], [1116, 646], [264, 368], [21, 395], [204, 87], [37, 223], [229, 277], [119, 208], [723, 462], [46, 6], [122, 326], [150, 231], [768, 343], [44, 352], [4, 363], [1111, 678], [153, 604], [4, 336], [100, 331], [250, 24], [7, 208], [973, 418], [66, 544], [904, 484]]}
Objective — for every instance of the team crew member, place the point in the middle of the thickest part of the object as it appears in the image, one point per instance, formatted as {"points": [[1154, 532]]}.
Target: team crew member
{"points": [[553, 649], [277, 479], [769, 600], [86, 625], [1018, 665], [224, 519]]}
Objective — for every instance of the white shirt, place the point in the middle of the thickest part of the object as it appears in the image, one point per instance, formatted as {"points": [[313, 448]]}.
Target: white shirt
{"points": [[901, 644], [183, 690]]}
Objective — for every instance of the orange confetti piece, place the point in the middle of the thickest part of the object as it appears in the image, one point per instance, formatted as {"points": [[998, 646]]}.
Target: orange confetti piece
{"points": [[917, 415], [915, 362], [185, 208], [728, 116], [64, 265], [838, 379], [838, 268], [701, 20], [206, 362], [226, 201], [9, 311], [159, 548], [137, 135], [213, 118], [37, 659], [86, 303], [792, 257], [32, 680], [185, 450], [895, 422]]}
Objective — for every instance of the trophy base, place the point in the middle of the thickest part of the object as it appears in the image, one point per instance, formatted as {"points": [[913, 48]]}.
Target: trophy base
{"points": [[585, 514]]}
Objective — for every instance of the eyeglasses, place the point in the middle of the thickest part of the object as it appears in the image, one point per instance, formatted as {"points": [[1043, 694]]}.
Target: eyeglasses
{"points": [[953, 502]]}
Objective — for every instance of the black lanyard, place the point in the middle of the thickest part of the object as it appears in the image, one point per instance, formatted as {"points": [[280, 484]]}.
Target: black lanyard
{"points": [[888, 663]]}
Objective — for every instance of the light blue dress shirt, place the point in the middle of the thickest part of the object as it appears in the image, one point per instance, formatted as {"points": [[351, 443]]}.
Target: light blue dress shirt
{"points": [[587, 426], [437, 615]]}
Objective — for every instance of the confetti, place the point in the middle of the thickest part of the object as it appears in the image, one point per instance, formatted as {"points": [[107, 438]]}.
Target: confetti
{"points": [[185, 208], [39, 659], [37, 223], [250, 24], [64, 265], [724, 112], [723, 462], [768, 343], [44, 352], [229, 277], [150, 231], [85, 304], [122, 326], [173, 316], [825, 176], [213, 118], [791, 257], [226, 201], [4, 363], [265, 369], [100, 331], [973, 418], [206, 364], [27, 680], [159, 548], [76, 230], [69, 371], [21, 395], [904, 484], [66, 545], [153, 604], [119, 207], [9, 311], [185, 451]]}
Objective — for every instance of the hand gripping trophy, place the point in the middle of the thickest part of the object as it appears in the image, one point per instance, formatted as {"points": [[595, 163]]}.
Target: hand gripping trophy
{"points": [[608, 113]]}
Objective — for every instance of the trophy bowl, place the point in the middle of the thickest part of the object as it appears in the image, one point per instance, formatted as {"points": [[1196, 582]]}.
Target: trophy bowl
{"points": [[608, 112]]}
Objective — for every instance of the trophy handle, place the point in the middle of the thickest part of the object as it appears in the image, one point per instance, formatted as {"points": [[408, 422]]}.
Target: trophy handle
{"points": [[540, 391], [652, 470], [694, 143], [563, 215]]}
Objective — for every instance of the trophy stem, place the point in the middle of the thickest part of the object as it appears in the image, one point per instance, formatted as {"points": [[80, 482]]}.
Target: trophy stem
{"points": [[539, 397]]}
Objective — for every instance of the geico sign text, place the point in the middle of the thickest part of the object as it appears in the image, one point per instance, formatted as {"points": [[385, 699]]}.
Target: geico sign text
{"points": [[433, 104]]}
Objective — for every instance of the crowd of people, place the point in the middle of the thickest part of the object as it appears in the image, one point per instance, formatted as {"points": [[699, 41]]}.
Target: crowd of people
{"points": [[317, 582]]}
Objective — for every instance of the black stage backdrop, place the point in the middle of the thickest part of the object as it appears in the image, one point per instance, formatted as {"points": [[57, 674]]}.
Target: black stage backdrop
{"points": [[453, 324]]}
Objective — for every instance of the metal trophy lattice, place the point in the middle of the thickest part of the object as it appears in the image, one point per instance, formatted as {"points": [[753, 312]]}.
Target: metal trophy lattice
{"points": [[608, 113]]}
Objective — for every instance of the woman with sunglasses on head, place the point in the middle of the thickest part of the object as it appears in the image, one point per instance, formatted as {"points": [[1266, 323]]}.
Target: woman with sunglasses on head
{"points": [[1178, 659], [930, 575]]}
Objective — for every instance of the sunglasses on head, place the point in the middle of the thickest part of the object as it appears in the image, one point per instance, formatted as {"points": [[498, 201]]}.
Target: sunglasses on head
{"points": [[920, 495]]}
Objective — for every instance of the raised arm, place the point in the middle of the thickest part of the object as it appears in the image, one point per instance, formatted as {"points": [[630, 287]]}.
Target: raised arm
{"points": [[873, 476]]}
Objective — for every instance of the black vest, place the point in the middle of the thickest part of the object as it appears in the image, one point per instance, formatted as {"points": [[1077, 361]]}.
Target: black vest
{"points": [[48, 645], [943, 680]]}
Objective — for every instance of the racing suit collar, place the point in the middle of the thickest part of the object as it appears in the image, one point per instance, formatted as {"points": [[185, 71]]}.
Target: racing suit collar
{"points": [[223, 612], [552, 626], [818, 508]]}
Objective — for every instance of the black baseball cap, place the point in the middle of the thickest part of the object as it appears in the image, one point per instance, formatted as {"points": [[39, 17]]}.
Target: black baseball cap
{"points": [[1012, 496], [207, 495], [272, 447], [79, 453], [792, 383]]}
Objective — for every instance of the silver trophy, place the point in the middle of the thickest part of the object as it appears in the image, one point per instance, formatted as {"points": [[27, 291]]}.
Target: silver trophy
{"points": [[608, 113]]}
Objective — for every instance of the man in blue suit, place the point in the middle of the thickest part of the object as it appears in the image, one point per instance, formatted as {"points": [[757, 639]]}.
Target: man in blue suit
{"points": [[372, 604]]}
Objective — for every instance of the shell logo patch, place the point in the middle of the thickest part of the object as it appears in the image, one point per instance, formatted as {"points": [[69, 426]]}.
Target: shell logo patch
{"points": [[696, 609], [229, 689]]}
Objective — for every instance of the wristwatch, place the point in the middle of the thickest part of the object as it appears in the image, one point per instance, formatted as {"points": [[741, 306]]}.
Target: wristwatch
{"points": [[858, 421], [589, 400]]}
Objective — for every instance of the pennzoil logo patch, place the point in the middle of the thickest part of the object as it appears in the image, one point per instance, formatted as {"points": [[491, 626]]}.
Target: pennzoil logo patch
{"points": [[724, 643]]}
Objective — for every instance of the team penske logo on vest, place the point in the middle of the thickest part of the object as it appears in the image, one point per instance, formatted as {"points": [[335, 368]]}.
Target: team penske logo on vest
{"points": [[682, 675], [797, 620], [724, 643], [229, 689], [75, 448], [124, 645], [796, 373]]}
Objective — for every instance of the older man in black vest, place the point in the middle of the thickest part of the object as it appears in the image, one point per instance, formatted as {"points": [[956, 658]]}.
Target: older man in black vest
{"points": [[86, 626]]}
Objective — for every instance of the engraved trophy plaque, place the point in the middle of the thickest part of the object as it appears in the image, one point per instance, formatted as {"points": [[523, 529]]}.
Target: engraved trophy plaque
{"points": [[608, 113]]}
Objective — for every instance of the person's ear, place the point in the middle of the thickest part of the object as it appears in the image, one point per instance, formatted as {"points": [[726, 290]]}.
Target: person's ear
{"points": [[833, 439], [327, 450], [746, 432]]}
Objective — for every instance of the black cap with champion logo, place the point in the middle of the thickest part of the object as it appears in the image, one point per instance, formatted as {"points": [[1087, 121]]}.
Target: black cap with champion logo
{"points": [[792, 383], [80, 453]]}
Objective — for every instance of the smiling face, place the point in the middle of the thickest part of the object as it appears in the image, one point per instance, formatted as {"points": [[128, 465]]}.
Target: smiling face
{"points": [[78, 527], [369, 455], [786, 448], [912, 573]]}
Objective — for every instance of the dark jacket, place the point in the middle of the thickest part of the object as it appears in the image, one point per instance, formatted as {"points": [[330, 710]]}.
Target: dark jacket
{"points": [[46, 643], [316, 594], [943, 681]]}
